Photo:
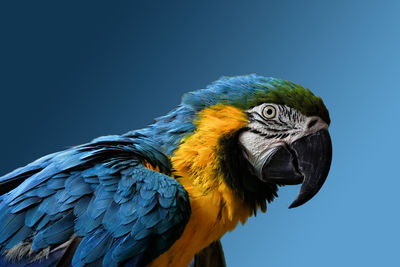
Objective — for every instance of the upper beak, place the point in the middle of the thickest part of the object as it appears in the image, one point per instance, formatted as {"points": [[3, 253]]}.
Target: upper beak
{"points": [[307, 161]]}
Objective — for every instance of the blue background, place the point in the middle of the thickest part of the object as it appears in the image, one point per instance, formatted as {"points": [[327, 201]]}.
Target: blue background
{"points": [[73, 71]]}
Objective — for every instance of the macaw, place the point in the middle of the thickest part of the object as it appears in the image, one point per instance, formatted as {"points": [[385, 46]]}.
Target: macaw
{"points": [[165, 194]]}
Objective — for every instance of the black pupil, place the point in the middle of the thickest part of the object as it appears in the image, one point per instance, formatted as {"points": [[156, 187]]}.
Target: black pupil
{"points": [[269, 111]]}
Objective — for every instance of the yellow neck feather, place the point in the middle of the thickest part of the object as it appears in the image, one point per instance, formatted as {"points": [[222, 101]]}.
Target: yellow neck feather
{"points": [[215, 207]]}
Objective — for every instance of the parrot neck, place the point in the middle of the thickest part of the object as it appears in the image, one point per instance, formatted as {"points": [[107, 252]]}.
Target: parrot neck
{"points": [[216, 209]]}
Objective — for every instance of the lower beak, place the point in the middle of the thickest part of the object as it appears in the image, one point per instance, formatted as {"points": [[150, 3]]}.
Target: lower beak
{"points": [[306, 161]]}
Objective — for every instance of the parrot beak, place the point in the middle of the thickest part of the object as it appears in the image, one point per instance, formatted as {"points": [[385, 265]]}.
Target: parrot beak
{"points": [[306, 161]]}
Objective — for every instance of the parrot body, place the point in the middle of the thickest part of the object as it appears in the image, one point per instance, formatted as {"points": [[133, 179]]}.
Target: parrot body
{"points": [[160, 195]]}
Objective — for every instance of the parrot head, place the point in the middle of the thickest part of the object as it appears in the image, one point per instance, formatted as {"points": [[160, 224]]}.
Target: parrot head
{"points": [[285, 147], [259, 133]]}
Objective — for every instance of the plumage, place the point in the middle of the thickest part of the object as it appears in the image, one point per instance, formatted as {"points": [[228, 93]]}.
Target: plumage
{"points": [[155, 196], [21, 234]]}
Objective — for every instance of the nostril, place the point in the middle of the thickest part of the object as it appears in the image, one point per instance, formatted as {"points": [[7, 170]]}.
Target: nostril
{"points": [[311, 123]]}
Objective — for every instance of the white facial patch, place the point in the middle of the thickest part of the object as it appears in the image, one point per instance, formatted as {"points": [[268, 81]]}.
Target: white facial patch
{"points": [[264, 133], [255, 146]]}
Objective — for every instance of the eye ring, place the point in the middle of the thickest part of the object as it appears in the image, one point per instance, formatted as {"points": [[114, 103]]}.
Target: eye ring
{"points": [[269, 112]]}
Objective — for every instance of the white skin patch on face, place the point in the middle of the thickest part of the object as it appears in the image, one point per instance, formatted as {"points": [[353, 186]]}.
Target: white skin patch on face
{"points": [[266, 132]]}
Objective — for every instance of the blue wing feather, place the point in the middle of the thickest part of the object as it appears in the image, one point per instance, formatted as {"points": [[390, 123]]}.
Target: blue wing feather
{"points": [[101, 192]]}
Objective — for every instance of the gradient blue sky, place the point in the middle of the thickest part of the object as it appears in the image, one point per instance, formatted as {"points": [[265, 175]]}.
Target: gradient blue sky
{"points": [[76, 70]]}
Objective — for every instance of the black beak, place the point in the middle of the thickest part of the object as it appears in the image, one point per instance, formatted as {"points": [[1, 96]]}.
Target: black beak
{"points": [[306, 161]]}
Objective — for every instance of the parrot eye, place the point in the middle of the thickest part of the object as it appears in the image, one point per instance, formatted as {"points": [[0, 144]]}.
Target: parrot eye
{"points": [[269, 112]]}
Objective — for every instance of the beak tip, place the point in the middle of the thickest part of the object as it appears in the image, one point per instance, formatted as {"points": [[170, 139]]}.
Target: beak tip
{"points": [[295, 204]]}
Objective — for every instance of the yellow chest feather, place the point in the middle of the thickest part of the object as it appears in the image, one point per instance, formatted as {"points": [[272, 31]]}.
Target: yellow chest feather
{"points": [[215, 208]]}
